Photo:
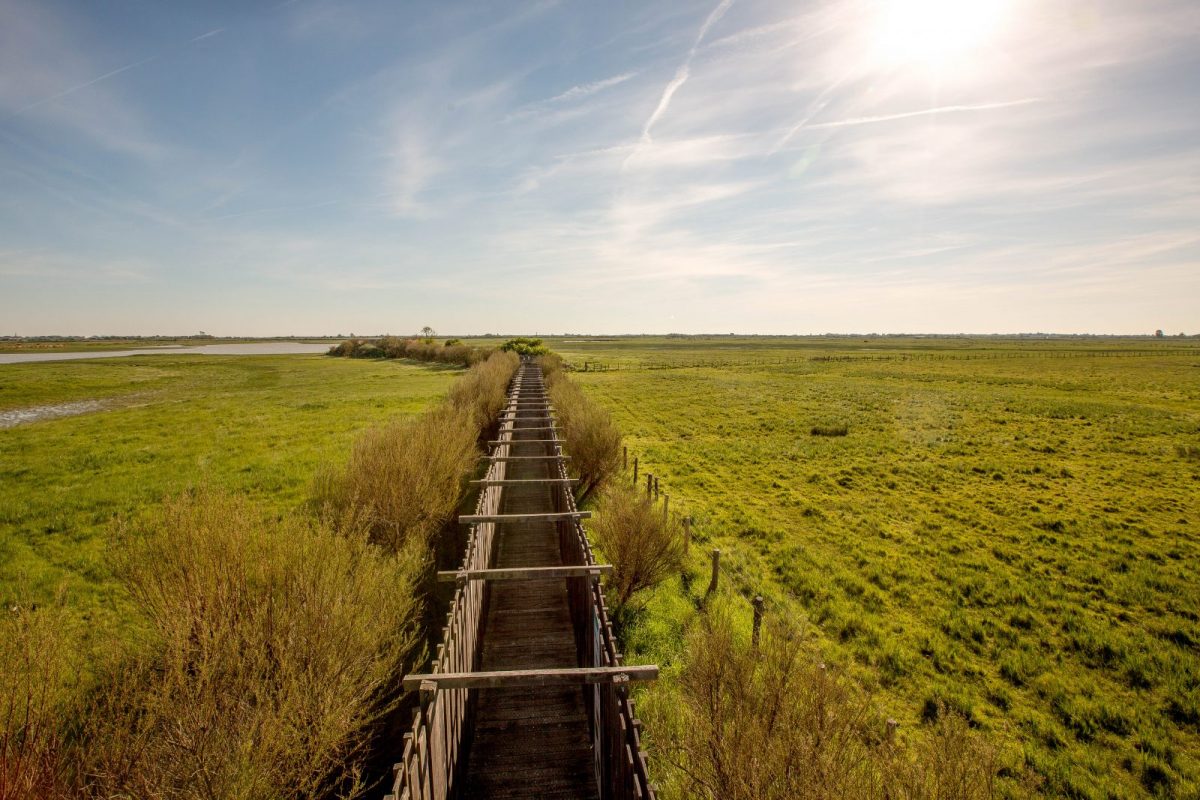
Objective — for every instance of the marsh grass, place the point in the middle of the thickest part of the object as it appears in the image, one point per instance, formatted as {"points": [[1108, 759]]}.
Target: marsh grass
{"points": [[1013, 539]]}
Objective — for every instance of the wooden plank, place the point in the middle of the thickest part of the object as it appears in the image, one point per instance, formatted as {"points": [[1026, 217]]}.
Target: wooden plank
{"points": [[503, 679], [525, 458], [553, 516], [498, 442], [521, 481], [524, 573]]}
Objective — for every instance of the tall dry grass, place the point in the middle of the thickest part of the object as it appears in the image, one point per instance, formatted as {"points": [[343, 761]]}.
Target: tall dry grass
{"points": [[273, 649], [592, 438], [775, 724], [483, 390], [405, 479], [643, 545]]}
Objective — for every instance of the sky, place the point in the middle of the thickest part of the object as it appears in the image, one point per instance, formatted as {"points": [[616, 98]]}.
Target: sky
{"points": [[753, 166]]}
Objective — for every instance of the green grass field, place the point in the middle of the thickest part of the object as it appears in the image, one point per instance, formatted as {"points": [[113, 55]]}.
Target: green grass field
{"points": [[1008, 527], [258, 425]]}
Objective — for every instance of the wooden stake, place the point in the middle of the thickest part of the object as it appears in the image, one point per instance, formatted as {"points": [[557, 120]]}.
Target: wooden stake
{"points": [[649, 484], [891, 730], [655, 487], [716, 570], [625, 457], [666, 504], [635, 471], [758, 615]]}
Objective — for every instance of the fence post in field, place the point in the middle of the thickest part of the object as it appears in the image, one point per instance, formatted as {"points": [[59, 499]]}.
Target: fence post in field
{"points": [[635, 470], [687, 534], [758, 615], [625, 457], [716, 571], [655, 487], [666, 503], [891, 730], [649, 485]]}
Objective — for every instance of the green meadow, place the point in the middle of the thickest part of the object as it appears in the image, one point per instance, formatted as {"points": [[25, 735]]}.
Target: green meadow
{"points": [[259, 426], [1007, 528]]}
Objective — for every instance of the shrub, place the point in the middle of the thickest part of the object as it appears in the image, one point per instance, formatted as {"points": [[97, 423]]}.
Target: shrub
{"points": [[1190, 452], [829, 430], [275, 646], [644, 548], [453, 352], [777, 724], [525, 346], [38, 692]]}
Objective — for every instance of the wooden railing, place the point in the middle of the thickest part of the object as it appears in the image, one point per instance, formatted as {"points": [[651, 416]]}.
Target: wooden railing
{"points": [[433, 749], [621, 769]]}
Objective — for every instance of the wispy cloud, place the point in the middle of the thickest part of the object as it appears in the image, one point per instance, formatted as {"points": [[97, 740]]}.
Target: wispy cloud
{"points": [[208, 35]]}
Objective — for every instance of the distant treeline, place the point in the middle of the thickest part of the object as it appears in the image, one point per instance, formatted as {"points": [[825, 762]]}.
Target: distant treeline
{"points": [[451, 351]]}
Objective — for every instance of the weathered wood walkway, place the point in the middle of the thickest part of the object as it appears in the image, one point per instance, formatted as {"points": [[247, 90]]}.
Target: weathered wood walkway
{"points": [[528, 697]]}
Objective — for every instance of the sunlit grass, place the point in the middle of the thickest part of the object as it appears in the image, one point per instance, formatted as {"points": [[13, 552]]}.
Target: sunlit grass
{"points": [[258, 426], [1013, 537]]}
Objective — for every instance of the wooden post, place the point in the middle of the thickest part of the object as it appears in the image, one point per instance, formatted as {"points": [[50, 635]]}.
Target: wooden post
{"points": [[687, 534], [666, 505], [649, 484], [655, 487], [635, 470], [758, 615], [625, 457], [891, 730], [716, 570]]}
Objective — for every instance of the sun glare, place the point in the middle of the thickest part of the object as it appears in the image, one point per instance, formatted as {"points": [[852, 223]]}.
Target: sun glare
{"points": [[938, 34]]}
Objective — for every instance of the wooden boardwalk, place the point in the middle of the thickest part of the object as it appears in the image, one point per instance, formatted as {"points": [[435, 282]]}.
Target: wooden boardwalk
{"points": [[527, 697], [524, 744]]}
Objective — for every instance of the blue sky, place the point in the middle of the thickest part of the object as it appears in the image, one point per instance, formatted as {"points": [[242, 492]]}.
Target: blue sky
{"points": [[317, 166]]}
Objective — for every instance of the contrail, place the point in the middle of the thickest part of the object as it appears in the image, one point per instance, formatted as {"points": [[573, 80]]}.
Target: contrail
{"points": [[842, 123], [204, 36], [685, 69], [93, 81]]}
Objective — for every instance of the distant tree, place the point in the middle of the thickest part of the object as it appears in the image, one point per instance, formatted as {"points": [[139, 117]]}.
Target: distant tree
{"points": [[1158, 333], [427, 333]]}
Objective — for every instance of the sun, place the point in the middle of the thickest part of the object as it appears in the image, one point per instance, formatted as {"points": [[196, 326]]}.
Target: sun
{"points": [[937, 34]]}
